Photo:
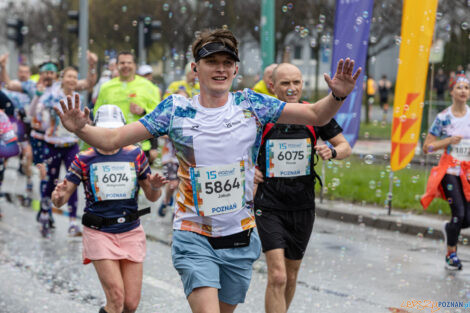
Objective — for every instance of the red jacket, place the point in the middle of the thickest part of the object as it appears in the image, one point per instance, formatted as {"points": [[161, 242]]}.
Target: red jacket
{"points": [[434, 188]]}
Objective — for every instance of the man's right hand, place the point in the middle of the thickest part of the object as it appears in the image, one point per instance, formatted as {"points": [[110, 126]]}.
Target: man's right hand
{"points": [[71, 116], [455, 140]]}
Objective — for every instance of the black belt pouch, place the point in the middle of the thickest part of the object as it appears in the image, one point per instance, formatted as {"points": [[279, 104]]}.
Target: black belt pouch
{"points": [[237, 240]]}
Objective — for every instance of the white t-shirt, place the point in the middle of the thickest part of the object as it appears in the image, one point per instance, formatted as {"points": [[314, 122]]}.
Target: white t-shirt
{"points": [[447, 125]]}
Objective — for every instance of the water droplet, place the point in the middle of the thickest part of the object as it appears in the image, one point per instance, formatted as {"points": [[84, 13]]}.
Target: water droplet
{"points": [[321, 18], [124, 9], [369, 159], [183, 9], [397, 40], [134, 23], [464, 25], [24, 30], [319, 28], [116, 27], [166, 7], [348, 164], [365, 14], [284, 8], [297, 28], [378, 193], [49, 28], [450, 187], [372, 184], [290, 5], [438, 15], [366, 135]]}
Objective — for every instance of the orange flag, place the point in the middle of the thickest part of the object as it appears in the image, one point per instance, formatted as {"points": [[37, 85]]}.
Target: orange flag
{"points": [[416, 38]]}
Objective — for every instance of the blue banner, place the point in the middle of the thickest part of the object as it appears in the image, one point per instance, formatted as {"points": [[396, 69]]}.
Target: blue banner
{"points": [[351, 40]]}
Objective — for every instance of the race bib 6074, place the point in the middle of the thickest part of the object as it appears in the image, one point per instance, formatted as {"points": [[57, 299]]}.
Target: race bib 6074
{"points": [[113, 180]]}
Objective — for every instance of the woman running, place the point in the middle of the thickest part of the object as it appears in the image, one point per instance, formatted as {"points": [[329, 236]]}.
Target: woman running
{"points": [[113, 238], [450, 179]]}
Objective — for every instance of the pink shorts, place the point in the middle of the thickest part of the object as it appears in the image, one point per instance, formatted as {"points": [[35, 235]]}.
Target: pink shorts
{"points": [[98, 245]]}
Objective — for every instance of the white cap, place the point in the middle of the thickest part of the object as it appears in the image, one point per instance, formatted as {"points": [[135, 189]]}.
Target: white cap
{"points": [[144, 70], [109, 116]]}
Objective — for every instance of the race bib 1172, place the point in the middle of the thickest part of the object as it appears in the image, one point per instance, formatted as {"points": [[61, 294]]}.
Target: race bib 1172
{"points": [[113, 180], [218, 189], [288, 157]]}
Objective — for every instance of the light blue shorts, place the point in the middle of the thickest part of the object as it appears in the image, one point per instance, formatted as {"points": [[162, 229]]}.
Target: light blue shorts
{"points": [[228, 270]]}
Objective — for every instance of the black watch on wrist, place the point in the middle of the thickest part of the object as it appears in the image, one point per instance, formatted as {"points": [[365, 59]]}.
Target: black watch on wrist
{"points": [[333, 153], [338, 98]]}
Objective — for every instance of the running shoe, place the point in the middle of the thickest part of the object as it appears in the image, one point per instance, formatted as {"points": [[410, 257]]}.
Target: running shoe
{"points": [[74, 231], [162, 210], [453, 262], [26, 202], [44, 221]]}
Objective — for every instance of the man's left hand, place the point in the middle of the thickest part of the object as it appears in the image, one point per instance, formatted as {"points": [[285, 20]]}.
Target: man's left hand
{"points": [[344, 81]]}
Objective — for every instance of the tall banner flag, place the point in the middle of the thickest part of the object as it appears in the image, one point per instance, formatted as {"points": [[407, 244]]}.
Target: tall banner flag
{"points": [[416, 37], [351, 40]]}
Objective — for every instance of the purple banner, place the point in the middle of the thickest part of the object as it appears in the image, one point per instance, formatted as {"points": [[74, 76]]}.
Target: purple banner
{"points": [[351, 40]]}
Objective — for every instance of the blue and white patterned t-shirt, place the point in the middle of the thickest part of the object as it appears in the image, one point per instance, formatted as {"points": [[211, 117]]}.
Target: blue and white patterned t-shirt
{"points": [[206, 137]]}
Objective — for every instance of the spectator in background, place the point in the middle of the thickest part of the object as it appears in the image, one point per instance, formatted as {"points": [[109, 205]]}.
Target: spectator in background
{"points": [[371, 88], [264, 85], [440, 84], [384, 88], [188, 84], [146, 71], [109, 73]]}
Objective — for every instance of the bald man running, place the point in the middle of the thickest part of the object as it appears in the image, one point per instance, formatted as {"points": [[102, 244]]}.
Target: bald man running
{"points": [[285, 199]]}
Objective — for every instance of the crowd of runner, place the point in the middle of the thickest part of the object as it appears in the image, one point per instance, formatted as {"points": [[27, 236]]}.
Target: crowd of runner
{"points": [[231, 161]]}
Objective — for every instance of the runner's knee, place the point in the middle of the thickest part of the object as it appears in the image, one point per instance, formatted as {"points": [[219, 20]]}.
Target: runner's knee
{"points": [[277, 278]]}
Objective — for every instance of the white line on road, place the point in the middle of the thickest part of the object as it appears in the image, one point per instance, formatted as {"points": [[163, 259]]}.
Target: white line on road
{"points": [[178, 292]]}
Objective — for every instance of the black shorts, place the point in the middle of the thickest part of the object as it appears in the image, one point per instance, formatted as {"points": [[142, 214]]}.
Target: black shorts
{"points": [[288, 230], [170, 170]]}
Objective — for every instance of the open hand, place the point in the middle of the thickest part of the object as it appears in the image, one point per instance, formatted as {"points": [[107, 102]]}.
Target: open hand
{"points": [[71, 116], [156, 180], [343, 81]]}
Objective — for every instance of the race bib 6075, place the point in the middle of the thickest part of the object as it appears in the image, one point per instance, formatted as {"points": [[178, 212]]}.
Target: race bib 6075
{"points": [[288, 157]]}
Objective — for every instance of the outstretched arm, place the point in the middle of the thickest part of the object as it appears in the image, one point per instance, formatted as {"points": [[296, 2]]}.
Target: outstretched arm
{"points": [[89, 82], [321, 112], [13, 85], [75, 120]]}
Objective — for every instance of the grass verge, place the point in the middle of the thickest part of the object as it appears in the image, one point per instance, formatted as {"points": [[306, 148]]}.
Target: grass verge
{"points": [[366, 181]]}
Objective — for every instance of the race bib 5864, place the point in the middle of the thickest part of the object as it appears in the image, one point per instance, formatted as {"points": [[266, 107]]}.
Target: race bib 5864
{"points": [[218, 189]]}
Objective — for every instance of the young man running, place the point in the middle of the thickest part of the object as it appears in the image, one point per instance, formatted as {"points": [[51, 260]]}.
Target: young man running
{"points": [[217, 135], [285, 197]]}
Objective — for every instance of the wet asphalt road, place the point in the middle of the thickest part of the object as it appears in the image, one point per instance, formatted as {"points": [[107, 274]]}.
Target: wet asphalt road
{"points": [[347, 268]]}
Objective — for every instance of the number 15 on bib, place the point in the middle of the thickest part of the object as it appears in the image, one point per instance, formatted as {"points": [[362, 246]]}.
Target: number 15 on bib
{"points": [[218, 189]]}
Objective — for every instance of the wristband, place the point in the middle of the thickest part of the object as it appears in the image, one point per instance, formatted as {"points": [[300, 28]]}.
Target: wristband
{"points": [[333, 153], [338, 98], [39, 93]]}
